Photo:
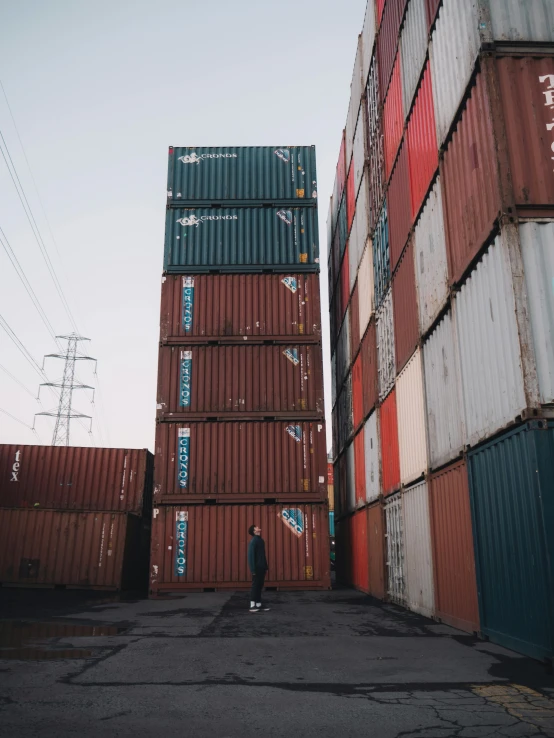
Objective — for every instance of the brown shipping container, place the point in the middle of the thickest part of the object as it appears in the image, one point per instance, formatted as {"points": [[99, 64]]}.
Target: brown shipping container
{"points": [[376, 545], [97, 550], [404, 300], [453, 553], [76, 478], [240, 461], [398, 200], [387, 40], [230, 307], [199, 546], [238, 381], [370, 377], [357, 393]]}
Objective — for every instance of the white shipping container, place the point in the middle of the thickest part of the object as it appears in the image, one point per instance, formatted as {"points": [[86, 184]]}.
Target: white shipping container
{"points": [[431, 265], [343, 349], [355, 102], [360, 148], [372, 457], [410, 410], [368, 39], [418, 563], [353, 253], [521, 20], [358, 234], [413, 50], [350, 478], [386, 356], [365, 287], [443, 394], [488, 343], [396, 583]]}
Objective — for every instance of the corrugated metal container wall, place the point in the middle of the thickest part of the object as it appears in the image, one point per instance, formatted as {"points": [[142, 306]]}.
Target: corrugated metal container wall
{"points": [[359, 233], [333, 380], [375, 146], [237, 380], [360, 153], [376, 541], [396, 575], [470, 188], [245, 238], [344, 281], [365, 286], [98, 550], [368, 39], [206, 546], [342, 226], [390, 459], [432, 7], [453, 557], [340, 488], [385, 346], [341, 169], [431, 267], [360, 551], [272, 306], [393, 118], [354, 254], [398, 200], [370, 368], [241, 173], [355, 101], [404, 298], [75, 478], [513, 20], [413, 49], [387, 40], [443, 394], [197, 461], [350, 477], [331, 522], [372, 458], [380, 7], [422, 143], [336, 253], [412, 436], [345, 413], [343, 552], [350, 198], [538, 257], [484, 314], [354, 321], [511, 486], [343, 350], [381, 257], [420, 593], [359, 463], [357, 393]]}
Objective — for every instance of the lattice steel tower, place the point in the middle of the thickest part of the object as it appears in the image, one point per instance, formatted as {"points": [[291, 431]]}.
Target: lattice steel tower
{"points": [[64, 414]]}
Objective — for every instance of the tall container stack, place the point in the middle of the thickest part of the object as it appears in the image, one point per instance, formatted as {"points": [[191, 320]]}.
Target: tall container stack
{"points": [[240, 434], [441, 306]]}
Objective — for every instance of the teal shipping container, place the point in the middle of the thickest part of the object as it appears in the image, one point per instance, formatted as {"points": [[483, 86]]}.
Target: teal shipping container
{"points": [[332, 524], [512, 504], [381, 256], [255, 173], [241, 239]]}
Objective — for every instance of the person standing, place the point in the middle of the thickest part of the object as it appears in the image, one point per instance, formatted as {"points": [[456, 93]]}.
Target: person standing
{"points": [[257, 562]]}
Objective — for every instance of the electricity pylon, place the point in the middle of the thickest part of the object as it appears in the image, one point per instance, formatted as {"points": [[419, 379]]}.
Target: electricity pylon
{"points": [[64, 414]]}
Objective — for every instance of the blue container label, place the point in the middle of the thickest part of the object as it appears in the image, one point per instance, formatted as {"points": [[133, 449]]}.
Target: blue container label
{"points": [[295, 431], [285, 216], [283, 154], [184, 458], [188, 303], [292, 355], [181, 538], [293, 518], [290, 283], [186, 378]]}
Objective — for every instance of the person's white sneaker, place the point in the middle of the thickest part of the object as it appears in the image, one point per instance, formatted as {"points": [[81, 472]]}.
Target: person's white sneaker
{"points": [[255, 609]]}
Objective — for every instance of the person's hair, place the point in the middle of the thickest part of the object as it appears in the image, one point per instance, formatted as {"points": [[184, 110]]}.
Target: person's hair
{"points": [[251, 530]]}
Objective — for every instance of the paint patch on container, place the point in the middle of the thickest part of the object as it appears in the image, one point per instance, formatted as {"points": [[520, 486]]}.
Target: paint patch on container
{"points": [[293, 518], [184, 457], [181, 538], [188, 303], [185, 379]]}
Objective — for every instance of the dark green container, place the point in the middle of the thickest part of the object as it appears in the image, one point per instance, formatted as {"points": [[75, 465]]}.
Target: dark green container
{"points": [[255, 173], [241, 239], [512, 502]]}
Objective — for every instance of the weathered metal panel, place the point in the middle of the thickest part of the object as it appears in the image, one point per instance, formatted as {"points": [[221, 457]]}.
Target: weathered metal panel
{"points": [[387, 40], [350, 477], [431, 265], [241, 239], [385, 346], [412, 436], [359, 463], [75, 478], [356, 90], [237, 461], [396, 575], [432, 7], [399, 208], [75, 549], [490, 359], [372, 458], [241, 173], [453, 557], [200, 546], [393, 118], [422, 143], [420, 592], [365, 286], [238, 306], [511, 485], [404, 298], [375, 145], [359, 232], [537, 240], [443, 394], [413, 48], [360, 154], [357, 392], [380, 7], [240, 380], [368, 39], [350, 198], [354, 314], [343, 349], [381, 257], [376, 542], [513, 20], [390, 458], [370, 368], [345, 414]]}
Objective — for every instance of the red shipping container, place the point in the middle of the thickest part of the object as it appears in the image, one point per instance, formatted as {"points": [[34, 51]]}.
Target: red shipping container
{"points": [[341, 166], [423, 154], [390, 456], [238, 381], [387, 40], [205, 546], [336, 256], [343, 552], [393, 118], [81, 550], [330, 475], [453, 552], [376, 546], [350, 198], [354, 321], [432, 7], [359, 463], [399, 209], [370, 377], [230, 307], [75, 478], [357, 392], [359, 559], [238, 462], [344, 283], [380, 7], [404, 300]]}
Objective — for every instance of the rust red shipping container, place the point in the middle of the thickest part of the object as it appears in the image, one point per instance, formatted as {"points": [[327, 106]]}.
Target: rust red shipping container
{"points": [[393, 117], [404, 300], [360, 545], [399, 206], [350, 197], [390, 455], [387, 40], [370, 376]]}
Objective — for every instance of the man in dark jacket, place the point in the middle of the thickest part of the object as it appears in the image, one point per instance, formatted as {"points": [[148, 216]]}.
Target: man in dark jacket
{"points": [[258, 566]]}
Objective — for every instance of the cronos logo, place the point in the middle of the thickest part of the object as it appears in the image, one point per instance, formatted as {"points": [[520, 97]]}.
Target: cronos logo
{"points": [[195, 159], [192, 220], [285, 216], [283, 154]]}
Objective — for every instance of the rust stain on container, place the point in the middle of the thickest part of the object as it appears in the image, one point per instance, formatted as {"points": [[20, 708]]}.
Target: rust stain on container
{"points": [[357, 392], [376, 546], [404, 300], [370, 376], [75, 478], [398, 200], [393, 118], [240, 380], [390, 455], [421, 135], [200, 546], [453, 552], [354, 321]]}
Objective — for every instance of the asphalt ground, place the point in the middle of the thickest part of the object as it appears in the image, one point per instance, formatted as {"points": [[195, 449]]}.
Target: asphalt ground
{"points": [[317, 664]]}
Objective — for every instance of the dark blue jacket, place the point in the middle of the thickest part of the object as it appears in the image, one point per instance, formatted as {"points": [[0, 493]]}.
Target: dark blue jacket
{"points": [[256, 555]]}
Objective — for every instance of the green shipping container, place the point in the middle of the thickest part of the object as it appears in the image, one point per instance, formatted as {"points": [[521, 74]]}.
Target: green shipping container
{"points": [[241, 239], [255, 173], [512, 503]]}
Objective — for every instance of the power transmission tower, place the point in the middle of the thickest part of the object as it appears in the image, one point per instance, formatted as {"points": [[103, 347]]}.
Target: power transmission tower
{"points": [[64, 414]]}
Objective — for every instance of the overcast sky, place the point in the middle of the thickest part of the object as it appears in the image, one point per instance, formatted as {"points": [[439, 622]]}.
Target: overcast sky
{"points": [[98, 91]]}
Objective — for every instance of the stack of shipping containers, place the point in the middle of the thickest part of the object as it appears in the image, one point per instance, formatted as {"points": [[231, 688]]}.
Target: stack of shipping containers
{"points": [[75, 517], [441, 266], [240, 434]]}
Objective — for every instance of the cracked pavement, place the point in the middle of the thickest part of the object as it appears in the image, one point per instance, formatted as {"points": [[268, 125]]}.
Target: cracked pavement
{"points": [[317, 664]]}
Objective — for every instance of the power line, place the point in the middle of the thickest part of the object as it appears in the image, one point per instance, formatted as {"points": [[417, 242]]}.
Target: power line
{"points": [[15, 379], [17, 420]]}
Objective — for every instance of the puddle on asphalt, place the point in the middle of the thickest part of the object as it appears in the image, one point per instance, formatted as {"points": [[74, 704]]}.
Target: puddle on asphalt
{"points": [[25, 641]]}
